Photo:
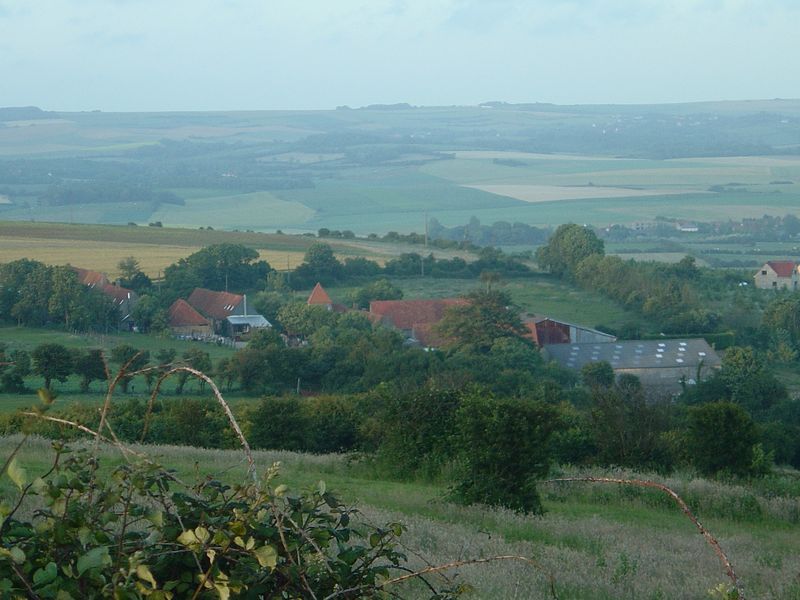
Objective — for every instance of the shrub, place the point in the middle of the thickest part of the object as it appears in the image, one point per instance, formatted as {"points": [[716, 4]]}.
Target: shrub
{"points": [[720, 437], [503, 448]]}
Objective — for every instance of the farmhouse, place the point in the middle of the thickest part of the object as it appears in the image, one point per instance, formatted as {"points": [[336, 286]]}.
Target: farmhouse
{"points": [[414, 318], [123, 299], [778, 274], [186, 321], [660, 365], [226, 312], [545, 331]]}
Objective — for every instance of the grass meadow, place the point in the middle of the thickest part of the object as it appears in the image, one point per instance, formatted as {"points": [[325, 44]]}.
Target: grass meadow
{"points": [[541, 295], [596, 541]]}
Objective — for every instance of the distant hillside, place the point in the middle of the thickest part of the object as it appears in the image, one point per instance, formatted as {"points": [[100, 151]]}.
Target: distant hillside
{"points": [[22, 113], [381, 168]]}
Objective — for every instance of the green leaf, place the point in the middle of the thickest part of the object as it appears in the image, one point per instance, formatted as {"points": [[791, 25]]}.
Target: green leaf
{"points": [[321, 488], [16, 473], [93, 559], [15, 554], [266, 556], [62, 595], [156, 517], [46, 575]]}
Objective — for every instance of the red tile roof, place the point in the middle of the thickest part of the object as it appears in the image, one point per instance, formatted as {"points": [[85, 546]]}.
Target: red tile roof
{"points": [[91, 278], [783, 268], [319, 296], [405, 314], [181, 314], [118, 293], [216, 305]]}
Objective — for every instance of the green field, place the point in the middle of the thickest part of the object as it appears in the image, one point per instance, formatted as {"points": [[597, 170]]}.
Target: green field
{"points": [[381, 170], [542, 295], [596, 542]]}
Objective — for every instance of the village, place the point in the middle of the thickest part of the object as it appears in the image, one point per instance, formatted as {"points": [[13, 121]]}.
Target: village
{"points": [[663, 366]]}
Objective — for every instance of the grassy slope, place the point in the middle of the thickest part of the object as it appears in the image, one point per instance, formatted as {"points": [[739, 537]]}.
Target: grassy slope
{"points": [[597, 542]]}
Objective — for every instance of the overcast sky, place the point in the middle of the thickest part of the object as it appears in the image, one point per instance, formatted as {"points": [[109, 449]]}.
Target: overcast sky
{"points": [[136, 55]]}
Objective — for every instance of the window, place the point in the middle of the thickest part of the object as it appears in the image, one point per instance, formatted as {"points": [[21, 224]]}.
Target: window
{"points": [[764, 272]]}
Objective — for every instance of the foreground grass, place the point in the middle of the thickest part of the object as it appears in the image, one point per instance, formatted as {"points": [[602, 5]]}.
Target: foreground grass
{"points": [[597, 542]]}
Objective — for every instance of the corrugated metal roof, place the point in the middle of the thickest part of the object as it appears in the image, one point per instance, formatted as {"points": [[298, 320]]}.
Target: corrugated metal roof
{"points": [[637, 354], [255, 321]]}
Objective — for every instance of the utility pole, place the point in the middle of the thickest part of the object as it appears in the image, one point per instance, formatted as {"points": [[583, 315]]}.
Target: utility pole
{"points": [[426, 228]]}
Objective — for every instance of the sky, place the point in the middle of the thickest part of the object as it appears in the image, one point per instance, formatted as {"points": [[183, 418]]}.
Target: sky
{"points": [[149, 55]]}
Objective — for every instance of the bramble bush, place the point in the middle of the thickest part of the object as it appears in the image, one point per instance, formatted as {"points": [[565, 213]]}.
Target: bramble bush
{"points": [[137, 531]]}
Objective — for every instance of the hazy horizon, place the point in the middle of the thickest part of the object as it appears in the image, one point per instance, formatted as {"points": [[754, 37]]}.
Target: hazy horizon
{"points": [[142, 55]]}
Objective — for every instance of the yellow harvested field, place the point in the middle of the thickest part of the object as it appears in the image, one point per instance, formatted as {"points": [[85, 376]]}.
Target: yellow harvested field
{"points": [[550, 193], [4, 199], [104, 256]]}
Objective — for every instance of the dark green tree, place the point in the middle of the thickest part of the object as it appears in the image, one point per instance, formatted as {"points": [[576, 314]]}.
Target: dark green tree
{"points": [[132, 359], [488, 316], [597, 374], [52, 361], [91, 366], [504, 449], [720, 436]]}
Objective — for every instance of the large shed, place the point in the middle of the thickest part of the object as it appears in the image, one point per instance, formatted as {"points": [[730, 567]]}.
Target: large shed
{"points": [[659, 364]]}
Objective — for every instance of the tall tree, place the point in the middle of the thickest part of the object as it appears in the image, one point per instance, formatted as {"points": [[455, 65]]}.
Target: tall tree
{"points": [[567, 247], [52, 361], [488, 316]]}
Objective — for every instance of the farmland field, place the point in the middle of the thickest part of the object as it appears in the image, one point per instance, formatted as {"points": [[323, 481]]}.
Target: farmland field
{"points": [[376, 170], [596, 542], [100, 247]]}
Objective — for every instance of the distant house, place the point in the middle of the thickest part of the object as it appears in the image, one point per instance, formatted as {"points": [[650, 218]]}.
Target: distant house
{"points": [[123, 299], [319, 297], [216, 306], [545, 331], [184, 320], [778, 274], [226, 312], [660, 365], [92, 279], [414, 318]]}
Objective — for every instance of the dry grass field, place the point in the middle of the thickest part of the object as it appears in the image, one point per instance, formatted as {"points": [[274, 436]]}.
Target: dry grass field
{"points": [[597, 542], [101, 247]]}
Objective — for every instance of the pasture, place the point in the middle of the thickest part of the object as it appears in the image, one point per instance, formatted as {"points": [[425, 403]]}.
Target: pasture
{"points": [[597, 542], [541, 295]]}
